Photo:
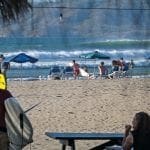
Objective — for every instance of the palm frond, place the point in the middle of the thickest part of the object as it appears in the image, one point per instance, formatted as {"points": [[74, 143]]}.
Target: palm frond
{"points": [[12, 9]]}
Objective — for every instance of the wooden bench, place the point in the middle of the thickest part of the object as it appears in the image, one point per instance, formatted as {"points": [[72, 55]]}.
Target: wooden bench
{"points": [[68, 139]]}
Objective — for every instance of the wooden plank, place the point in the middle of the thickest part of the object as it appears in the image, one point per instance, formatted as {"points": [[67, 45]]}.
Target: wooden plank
{"points": [[68, 139], [85, 136]]}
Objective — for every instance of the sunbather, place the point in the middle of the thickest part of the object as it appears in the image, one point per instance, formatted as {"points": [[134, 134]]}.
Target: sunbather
{"points": [[103, 71], [115, 68]]}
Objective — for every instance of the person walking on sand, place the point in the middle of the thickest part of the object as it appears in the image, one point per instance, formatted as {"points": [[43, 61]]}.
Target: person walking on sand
{"points": [[139, 136], [76, 70], [4, 141]]}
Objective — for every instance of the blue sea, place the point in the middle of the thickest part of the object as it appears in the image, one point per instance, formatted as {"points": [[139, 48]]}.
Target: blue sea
{"points": [[62, 50]]}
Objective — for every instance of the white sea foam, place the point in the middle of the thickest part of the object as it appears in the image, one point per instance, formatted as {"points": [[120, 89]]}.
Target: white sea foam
{"points": [[64, 57]]}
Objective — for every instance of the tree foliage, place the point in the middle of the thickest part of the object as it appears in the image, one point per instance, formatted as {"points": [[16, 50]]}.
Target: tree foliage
{"points": [[12, 9]]}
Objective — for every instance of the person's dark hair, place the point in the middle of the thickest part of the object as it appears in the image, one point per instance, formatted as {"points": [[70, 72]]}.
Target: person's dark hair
{"points": [[1, 56], [73, 61], [114, 62], [143, 122], [102, 63]]}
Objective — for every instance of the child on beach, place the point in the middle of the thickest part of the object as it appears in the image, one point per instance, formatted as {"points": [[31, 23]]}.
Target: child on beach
{"points": [[139, 137]]}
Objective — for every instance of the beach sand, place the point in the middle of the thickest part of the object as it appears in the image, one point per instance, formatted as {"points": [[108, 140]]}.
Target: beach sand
{"points": [[80, 106]]}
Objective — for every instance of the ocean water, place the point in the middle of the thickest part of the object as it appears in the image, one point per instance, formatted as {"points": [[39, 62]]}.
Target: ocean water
{"points": [[61, 51]]}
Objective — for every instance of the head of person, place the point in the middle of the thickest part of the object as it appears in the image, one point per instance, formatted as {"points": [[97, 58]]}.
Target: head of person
{"points": [[102, 63], [141, 122], [2, 57], [132, 61], [73, 61], [114, 62], [121, 58]]}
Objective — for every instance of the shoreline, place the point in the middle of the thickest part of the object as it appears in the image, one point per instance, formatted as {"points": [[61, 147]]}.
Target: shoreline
{"points": [[80, 78], [35, 74], [80, 106]]}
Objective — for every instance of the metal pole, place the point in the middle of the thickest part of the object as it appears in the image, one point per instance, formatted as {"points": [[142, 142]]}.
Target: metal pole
{"points": [[21, 73], [32, 22]]}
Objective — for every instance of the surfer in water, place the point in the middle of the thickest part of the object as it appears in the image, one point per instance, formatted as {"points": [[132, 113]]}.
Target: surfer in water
{"points": [[4, 141]]}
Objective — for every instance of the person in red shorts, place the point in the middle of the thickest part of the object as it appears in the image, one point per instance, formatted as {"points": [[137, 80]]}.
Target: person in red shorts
{"points": [[76, 70]]}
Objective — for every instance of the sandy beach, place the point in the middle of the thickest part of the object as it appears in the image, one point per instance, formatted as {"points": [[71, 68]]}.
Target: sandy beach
{"points": [[80, 106]]}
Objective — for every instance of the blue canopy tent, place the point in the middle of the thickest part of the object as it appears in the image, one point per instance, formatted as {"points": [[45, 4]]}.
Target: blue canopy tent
{"points": [[21, 58], [94, 55]]}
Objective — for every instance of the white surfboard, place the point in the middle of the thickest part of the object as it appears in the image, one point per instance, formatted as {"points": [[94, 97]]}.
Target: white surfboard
{"points": [[18, 139], [83, 73]]}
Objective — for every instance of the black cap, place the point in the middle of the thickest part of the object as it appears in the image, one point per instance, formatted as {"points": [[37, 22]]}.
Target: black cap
{"points": [[1, 56]]}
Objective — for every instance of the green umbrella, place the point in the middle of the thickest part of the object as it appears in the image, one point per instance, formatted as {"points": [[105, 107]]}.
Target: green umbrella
{"points": [[94, 55]]}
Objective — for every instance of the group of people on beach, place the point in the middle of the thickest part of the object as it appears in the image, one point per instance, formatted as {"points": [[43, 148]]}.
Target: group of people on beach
{"points": [[117, 66]]}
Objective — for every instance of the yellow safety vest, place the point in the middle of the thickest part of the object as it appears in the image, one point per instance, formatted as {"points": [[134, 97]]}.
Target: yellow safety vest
{"points": [[3, 85]]}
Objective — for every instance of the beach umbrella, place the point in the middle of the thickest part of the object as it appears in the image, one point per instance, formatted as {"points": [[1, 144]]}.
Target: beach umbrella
{"points": [[94, 55], [21, 58]]}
